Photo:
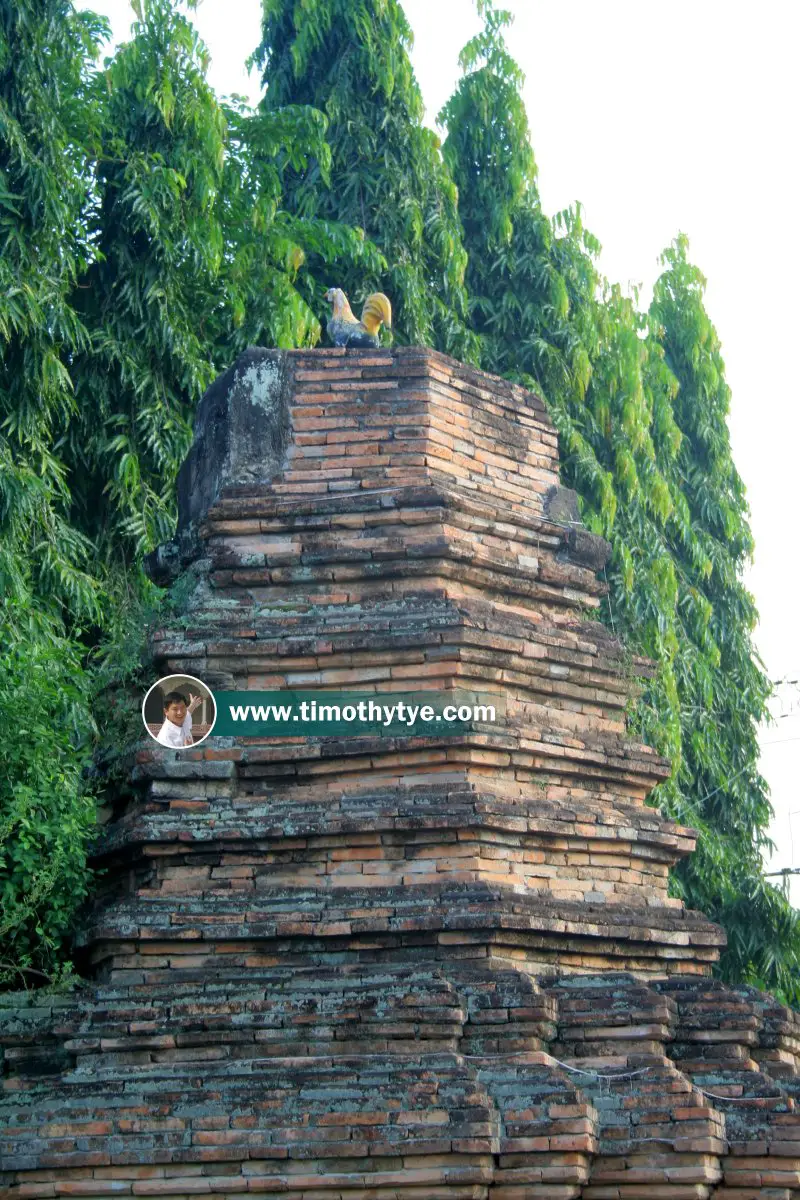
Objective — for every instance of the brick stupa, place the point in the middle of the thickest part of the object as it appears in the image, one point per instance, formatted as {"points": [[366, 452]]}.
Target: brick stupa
{"points": [[395, 969]]}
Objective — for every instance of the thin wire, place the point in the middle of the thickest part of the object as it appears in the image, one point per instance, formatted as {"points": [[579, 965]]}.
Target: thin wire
{"points": [[624, 1075], [628, 1075], [620, 1075], [610, 606], [727, 783], [734, 1099], [304, 1058], [597, 1074]]}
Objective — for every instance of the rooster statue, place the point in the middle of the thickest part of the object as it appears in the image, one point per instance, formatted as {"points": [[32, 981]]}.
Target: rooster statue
{"points": [[345, 330]]}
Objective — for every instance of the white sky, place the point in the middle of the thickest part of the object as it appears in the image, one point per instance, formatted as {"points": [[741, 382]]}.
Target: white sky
{"points": [[658, 118]]}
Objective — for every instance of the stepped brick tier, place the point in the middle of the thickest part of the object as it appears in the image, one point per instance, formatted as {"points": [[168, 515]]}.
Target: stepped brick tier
{"points": [[375, 968]]}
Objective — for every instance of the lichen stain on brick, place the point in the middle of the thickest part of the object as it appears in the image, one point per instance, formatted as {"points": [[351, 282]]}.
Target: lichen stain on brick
{"points": [[262, 385]]}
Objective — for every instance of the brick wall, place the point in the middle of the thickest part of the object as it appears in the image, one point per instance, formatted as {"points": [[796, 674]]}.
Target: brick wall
{"points": [[386, 967]]}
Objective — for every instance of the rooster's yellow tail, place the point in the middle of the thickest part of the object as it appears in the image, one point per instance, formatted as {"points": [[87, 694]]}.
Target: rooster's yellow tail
{"points": [[377, 310]]}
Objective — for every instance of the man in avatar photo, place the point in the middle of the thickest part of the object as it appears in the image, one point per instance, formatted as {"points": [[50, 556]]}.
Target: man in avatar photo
{"points": [[177, 728]]}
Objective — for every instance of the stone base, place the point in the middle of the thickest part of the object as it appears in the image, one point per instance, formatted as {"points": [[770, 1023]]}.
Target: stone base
{"points": [[395, 1081]]}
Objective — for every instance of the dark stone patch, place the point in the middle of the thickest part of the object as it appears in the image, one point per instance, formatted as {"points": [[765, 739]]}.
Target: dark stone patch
{"points": [[241, 432], [561, 506]]}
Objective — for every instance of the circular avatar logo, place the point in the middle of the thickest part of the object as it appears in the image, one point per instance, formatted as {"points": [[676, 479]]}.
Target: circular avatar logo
{"points": [[179, 711]]}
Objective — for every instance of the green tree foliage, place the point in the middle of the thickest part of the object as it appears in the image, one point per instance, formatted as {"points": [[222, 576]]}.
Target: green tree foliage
{"points": [[720, 680], [274, 260], [47, 132], [350, 61], [148, 293], [194, 258], [46, 813], [640, 403]]}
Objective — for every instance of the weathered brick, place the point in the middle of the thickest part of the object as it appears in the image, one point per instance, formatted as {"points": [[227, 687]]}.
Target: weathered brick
{"points": [[360, 966]]}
